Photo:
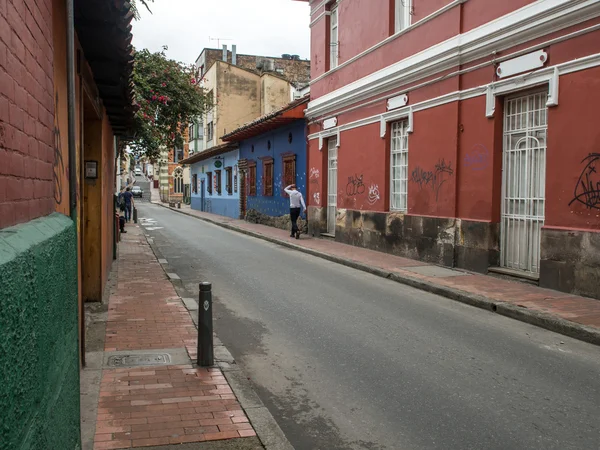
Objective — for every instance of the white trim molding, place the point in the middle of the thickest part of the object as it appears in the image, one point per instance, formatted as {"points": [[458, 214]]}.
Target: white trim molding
{"points": [[325, 134], [549, 75], [523, 25]]}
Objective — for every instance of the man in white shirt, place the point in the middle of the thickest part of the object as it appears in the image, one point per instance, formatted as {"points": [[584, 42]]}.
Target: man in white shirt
{"points": [[296, 201]]}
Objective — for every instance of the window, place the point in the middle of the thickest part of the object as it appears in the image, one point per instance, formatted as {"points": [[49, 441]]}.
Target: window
{"points": [[289, 171], [178, 181], [209, 182], [218, 181], [178, 155], [399, 166], [228, 180], [267, 178], [209, 132], [403, 11], [251, 178], [195, 183], [191, 132], [333, 38], [235, 178]]}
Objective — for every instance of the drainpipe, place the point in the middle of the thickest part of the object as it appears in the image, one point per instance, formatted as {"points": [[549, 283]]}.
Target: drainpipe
{"points": [[72, 138]]}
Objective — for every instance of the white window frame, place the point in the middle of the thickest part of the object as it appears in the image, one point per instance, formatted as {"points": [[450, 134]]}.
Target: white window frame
{"points": [[402, 13], [334, 46], [399, 200]]}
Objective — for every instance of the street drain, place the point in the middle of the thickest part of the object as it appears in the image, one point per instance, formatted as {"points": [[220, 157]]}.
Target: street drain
{"points": [[146, 359]]}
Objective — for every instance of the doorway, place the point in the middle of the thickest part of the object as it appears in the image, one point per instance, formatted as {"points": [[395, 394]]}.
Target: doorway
{"points": [[523, 181], [332, 153]]}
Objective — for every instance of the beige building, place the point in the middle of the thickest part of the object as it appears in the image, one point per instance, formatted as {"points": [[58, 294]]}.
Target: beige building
{"points": [[239, 96]]}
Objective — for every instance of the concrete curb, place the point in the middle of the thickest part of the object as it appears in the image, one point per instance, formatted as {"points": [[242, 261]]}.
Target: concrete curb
{"points": [[540, 319], [267, 429]]}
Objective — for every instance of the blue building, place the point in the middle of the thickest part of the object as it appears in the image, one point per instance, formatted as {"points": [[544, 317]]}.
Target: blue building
{"points": [[272, 153], [214, 180]]}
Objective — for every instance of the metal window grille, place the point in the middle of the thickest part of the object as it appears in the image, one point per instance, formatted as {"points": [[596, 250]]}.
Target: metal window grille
{"points": [[399, 166], [332, 151], [523, 181]]}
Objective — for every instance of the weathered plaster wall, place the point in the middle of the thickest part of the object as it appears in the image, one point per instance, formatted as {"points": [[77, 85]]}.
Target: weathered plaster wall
{"points": [[39, 364]]}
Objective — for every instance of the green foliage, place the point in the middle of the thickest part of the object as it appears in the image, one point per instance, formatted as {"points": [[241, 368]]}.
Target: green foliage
{"points": [[168, 99], [135, 10]]}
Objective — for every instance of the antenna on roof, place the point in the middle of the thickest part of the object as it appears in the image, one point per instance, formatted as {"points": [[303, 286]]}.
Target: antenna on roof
{"points": [[219, 40]]}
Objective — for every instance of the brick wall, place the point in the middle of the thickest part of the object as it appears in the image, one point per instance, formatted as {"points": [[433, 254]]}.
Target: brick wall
{"points": [[26, 111]]}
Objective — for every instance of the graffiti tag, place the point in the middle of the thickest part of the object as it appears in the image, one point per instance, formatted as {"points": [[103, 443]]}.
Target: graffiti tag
{"points": [[355, 185], [477, 158], [587, 189], [314, 173], [59, 164], [373, 194], [317, 198], [433, 178]]}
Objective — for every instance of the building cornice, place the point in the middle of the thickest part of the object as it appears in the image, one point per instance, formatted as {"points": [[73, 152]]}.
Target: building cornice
{"points": [[530, 22]]}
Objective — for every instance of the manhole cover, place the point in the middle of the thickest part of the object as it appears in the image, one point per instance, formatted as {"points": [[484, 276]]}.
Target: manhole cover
{"points": [[151, 359]]}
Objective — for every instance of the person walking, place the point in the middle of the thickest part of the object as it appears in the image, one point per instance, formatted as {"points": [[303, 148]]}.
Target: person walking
{"points": [[127, 198], [296, 202]]}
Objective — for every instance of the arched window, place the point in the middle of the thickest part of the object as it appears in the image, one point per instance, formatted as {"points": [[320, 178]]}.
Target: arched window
{"points": [[178, 181]]}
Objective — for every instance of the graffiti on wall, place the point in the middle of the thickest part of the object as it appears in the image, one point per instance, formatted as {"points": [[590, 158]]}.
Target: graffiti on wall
{"points": [[433, 179], [587, 189], [314, 175], [477, 158], [373, 194], [355, 185], [59, 164]]}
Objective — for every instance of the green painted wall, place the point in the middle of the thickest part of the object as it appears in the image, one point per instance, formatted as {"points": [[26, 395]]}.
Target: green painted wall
{"points": [[39, 356]]}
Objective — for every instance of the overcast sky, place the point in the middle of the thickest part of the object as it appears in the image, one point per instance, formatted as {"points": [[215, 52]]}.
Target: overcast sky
{"points": [[261, 27]]}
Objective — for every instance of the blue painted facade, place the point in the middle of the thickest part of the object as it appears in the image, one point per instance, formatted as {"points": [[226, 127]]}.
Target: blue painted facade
{"points": [[256, 147], [224, 204]]}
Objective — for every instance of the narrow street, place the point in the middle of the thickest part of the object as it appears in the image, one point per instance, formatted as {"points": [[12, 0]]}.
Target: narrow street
{"points": [[347, 360]]}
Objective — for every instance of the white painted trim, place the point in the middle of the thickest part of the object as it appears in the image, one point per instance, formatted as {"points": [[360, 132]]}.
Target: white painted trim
{"points": [[446, 76], [549, 75], [424, 20], [530, 22], [319, 17]]}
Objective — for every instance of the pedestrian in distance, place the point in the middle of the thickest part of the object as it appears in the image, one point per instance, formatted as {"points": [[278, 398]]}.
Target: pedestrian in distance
{"points": [[127, 201], [297, 205]]}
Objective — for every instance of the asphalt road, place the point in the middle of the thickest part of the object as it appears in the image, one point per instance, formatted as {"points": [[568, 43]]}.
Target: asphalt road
{"points": [[348, 360]]}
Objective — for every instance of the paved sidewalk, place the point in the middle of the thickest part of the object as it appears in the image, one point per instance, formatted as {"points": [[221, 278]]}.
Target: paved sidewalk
{"points": [[572, 315], [160, 404]]}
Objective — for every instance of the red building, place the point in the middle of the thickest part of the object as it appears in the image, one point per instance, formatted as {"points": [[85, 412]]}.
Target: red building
{"points": [[464, 133]]}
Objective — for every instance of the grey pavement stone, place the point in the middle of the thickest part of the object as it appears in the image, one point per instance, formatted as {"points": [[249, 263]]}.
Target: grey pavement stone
{"points": [[190, 303], [434, 271], [173, 276]]}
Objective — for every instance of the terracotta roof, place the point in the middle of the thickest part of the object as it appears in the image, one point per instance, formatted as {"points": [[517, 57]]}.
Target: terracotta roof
{"points": [[289, 113], [213, 151]]}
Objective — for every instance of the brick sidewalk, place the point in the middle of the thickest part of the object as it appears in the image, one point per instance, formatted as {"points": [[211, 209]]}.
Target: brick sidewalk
{"points": [[158, 405], [527, 300]]}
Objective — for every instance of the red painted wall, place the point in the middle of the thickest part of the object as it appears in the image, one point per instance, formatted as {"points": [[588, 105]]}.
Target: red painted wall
{"points": [[414, 41], [319, 38], [362, 25], [432, 162], [316, 174], [362, 169], [574, 135], [478, 12], [479, 163]]}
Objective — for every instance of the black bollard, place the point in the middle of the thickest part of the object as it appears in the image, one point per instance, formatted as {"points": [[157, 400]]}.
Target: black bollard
{"points": [[205, 326], [134, 214]]}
